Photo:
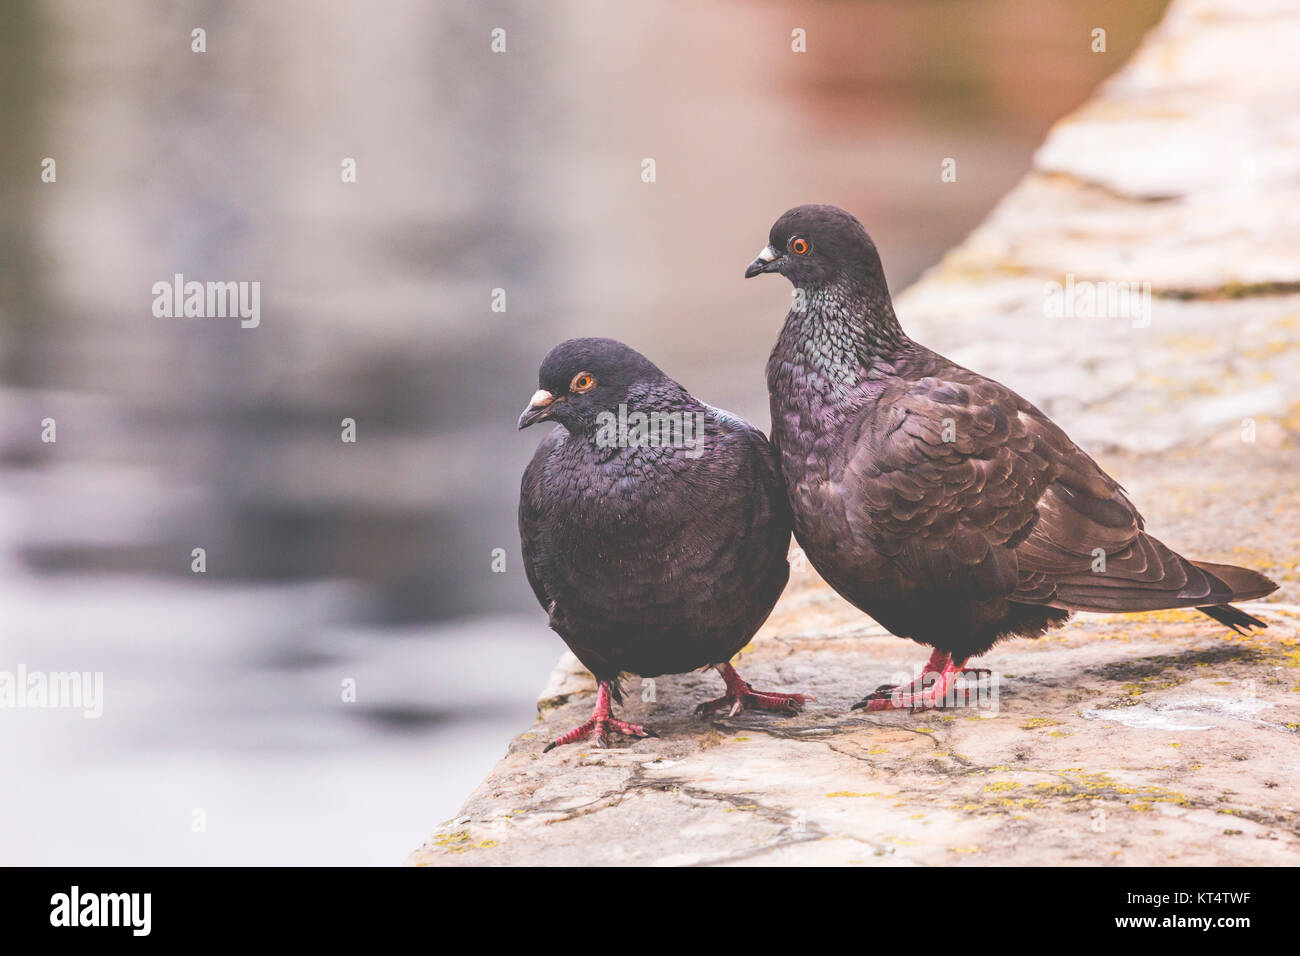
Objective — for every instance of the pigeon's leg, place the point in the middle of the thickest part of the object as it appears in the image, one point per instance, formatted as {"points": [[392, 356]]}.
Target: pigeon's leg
{"points": [[740, 696], [600, 723], [927, 691], [935, 665]]}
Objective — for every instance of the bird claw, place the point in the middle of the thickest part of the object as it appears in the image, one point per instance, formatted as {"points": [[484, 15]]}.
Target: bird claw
{"points": [[882, 692], [713, 706], [927, 692], [890, 692], [930, 691], [599, 724], [914, 703], [734, 703], [598, 729]]}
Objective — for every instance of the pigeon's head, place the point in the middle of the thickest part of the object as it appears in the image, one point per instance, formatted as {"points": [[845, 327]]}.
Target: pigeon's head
{"points": [[815, 245], [581, 378]]}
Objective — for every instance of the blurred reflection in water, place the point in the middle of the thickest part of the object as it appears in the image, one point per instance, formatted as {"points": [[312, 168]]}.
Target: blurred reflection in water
{"points": [[330, 562]]}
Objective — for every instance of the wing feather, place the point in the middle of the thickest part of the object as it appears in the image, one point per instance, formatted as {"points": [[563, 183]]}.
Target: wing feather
{"points": [[965, 484]]}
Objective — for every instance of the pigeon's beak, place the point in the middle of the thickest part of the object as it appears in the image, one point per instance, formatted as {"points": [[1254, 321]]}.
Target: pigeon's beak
{"points": [[539, 408], [767, 261]]}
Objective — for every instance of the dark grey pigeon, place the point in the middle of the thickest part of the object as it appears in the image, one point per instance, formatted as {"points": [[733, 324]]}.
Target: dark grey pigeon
{"points": [[938, 501], [656, 545]]}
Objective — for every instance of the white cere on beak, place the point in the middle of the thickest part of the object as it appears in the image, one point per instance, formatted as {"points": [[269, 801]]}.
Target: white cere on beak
{"points": [[768, 253], [541, 398]]}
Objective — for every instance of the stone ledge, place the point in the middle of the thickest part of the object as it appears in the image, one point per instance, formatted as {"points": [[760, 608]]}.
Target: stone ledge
{"points": [[1145, 739]]}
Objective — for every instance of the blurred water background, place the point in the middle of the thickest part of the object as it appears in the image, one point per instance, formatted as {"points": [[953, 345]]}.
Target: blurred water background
{"points": [[372, 562]]}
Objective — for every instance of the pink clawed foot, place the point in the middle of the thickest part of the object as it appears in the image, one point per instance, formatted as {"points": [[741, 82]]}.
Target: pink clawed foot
{"points": [[599, 725], [740, 696], [927, 692]]}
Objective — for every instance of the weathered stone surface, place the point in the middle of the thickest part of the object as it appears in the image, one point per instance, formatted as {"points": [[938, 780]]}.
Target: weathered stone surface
{"points": [[1146, 739]]}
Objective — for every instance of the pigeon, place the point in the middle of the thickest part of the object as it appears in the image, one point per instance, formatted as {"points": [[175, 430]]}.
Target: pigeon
{"points": [[938, 501], [655, 528]]}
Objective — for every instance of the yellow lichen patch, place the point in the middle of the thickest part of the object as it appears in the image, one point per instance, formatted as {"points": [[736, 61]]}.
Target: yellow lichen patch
{"points": [[850, 793], [1252, 558], [1015, 803], [901, 841], [1133, 691], [1189, 345], [964, 849], [1053, 788], [1060, 733], [457, 842], [742, 807], [878, 750], [1280, 651], [1034, 722], [1095, 786], [1003, 785], [1175, 616], [1114, 636], [1289, 657]]}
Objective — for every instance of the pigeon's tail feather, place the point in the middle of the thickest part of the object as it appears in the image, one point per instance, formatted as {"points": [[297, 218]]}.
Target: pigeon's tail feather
{"points": [[1233, 617], [1164, 580], [1246, 584]]}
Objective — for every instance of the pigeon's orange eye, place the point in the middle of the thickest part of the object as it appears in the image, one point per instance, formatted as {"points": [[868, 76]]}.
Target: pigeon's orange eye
{"points": [[800, 246], [582, 382]]}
